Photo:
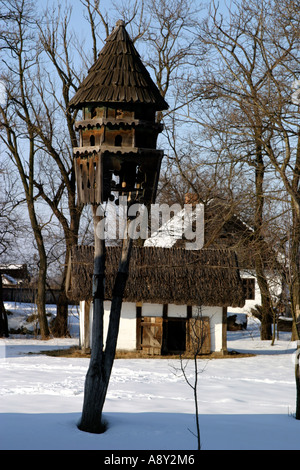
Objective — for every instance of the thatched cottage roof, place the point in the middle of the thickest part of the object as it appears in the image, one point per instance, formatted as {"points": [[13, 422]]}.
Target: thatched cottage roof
{"points": [[118, 76], [163, 275]]}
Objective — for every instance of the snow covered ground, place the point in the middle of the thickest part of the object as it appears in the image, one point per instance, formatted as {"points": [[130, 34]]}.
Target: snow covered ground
{"points": [[244, 403]]}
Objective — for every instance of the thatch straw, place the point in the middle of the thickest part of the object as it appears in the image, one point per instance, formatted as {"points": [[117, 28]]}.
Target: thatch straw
{"points": [[165, 276]]}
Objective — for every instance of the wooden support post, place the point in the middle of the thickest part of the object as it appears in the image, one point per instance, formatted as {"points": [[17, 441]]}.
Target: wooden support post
{"points": [[224, 330]]}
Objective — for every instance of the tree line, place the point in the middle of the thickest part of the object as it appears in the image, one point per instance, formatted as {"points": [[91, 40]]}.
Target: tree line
{"points": [[232, 134]]}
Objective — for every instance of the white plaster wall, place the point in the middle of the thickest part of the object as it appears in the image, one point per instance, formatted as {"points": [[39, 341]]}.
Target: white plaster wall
{"points": [[127, 331], [215, 318], [177, 311], [274, 286], [81, 322], [152, 310], [250, 303]]}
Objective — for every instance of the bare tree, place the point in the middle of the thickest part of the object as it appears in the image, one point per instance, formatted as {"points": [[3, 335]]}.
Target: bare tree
{"points": [[236, 98], [8, 227], [17, 132], [39, 80], [198, 334], [54, 124]]}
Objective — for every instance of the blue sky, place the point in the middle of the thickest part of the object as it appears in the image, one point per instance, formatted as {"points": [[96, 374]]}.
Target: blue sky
{"points": [[80, 23]]}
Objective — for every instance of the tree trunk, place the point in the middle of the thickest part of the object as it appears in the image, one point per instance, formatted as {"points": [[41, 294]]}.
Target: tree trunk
{"points": [[295, 273], [60, 324], [295, 295], [266, 303], [101, 362], [42, 273], [41, 298], [59, 327]]}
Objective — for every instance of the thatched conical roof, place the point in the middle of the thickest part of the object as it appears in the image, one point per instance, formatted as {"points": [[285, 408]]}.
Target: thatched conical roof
{"points": [[163, 275], [118, 76]]}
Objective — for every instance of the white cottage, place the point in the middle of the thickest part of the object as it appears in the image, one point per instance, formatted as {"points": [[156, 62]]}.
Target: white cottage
{"points": [[223, 230], [169, 292]]}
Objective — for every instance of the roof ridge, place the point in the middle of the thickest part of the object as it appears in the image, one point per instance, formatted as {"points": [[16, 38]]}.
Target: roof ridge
{"points": [[103, 85], [119, 30]]}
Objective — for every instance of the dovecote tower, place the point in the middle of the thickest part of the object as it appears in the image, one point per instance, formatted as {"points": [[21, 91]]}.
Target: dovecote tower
{"points": [[118, 132]]}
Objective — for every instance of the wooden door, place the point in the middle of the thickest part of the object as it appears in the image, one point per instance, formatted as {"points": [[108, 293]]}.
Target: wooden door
{"points": [[150, 335], [198, 336]]}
